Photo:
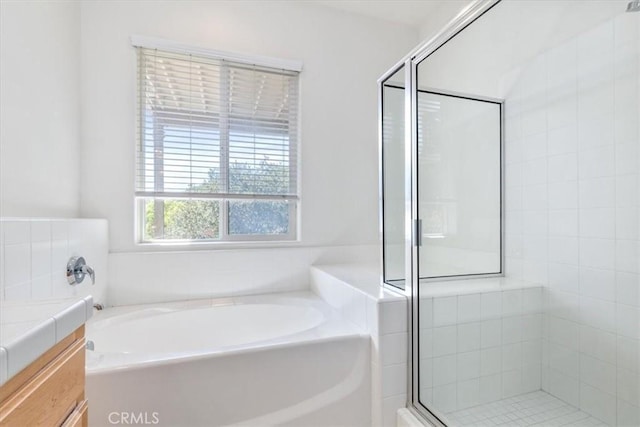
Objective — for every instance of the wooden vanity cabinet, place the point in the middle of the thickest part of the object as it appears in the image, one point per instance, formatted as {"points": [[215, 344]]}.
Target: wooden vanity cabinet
{"points": [[50, 391]]}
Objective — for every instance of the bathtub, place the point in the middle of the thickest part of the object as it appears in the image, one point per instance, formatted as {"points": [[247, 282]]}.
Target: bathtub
{"points": [[280, 359]]}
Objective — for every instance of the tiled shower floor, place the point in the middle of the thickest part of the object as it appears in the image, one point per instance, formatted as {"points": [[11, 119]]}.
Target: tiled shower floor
{"points": [[531, 409]]}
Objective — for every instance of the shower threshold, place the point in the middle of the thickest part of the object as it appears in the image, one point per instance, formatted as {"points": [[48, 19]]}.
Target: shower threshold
{"points": [[537, 408]]}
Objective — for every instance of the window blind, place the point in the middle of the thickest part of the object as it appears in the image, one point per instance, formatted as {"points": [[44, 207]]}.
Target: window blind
{"points": [[211, 128]]}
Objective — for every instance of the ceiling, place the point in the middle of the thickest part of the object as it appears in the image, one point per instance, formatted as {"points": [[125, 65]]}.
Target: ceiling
{"points": [[408, 12]]}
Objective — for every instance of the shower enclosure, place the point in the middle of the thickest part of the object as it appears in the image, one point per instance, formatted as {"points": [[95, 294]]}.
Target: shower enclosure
{"points": [[509, 179]]}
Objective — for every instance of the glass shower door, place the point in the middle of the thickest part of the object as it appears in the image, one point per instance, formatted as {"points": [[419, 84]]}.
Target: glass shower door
{"points": [[393, 178], [556, 336], [459, 207], [459, 188]]}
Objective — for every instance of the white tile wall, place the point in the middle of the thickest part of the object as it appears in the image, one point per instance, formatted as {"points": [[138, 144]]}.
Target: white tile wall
{"points": [[33, 284], [34, 255], [480, 347], [385, 319], [389, 350], [579, 201]]}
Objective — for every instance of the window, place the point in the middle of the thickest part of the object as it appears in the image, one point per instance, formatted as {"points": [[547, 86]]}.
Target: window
{"points": [[217, 156]]}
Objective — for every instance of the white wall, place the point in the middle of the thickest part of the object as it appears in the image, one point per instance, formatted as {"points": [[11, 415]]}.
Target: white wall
{"points": [[147, 277], [445, 12], [343, 56], [491, 56], [39, 108]]}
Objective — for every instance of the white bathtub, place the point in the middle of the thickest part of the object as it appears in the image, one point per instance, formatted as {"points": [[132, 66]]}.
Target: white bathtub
{"points": [[284, 359]]}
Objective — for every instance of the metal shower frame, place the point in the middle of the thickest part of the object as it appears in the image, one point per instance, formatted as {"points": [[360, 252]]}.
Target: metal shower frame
{"points": [[410, 63]]}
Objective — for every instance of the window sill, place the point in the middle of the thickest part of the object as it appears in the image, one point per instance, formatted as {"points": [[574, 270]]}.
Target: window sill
{"points": [[210, 245]]}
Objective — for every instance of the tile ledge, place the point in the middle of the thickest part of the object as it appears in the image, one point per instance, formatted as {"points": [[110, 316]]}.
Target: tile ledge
{"points": [[364, 278], [75, 310]]}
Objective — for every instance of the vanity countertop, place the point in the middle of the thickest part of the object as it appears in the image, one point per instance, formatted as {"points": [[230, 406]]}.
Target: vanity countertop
{"points": [[30, 328]]}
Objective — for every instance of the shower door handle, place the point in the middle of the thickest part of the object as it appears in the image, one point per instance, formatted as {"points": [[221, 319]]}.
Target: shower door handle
{"points": [[417, 232]]}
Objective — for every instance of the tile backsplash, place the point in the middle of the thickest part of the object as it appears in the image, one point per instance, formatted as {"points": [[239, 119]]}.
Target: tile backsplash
{"points": [[34, 255]]}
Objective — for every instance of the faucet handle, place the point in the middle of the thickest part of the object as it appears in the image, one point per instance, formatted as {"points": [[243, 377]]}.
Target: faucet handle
{"points": [[88, 270], [77, 269]]}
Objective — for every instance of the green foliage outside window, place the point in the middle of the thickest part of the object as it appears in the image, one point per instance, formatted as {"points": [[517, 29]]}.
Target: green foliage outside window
{"points": [[199, 219]]}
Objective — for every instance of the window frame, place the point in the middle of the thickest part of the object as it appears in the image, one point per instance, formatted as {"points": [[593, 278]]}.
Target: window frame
{"points": [[225, 238]]}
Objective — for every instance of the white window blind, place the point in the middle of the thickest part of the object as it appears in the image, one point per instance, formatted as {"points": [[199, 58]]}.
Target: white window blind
{"points": [[214, 129]]}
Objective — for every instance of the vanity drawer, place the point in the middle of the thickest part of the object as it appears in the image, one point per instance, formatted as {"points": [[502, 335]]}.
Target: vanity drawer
{"points": [[51, 395], [79, 417]]}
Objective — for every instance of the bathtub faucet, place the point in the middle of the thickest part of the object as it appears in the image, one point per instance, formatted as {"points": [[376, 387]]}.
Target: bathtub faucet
{"points": [[77, 269]]}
